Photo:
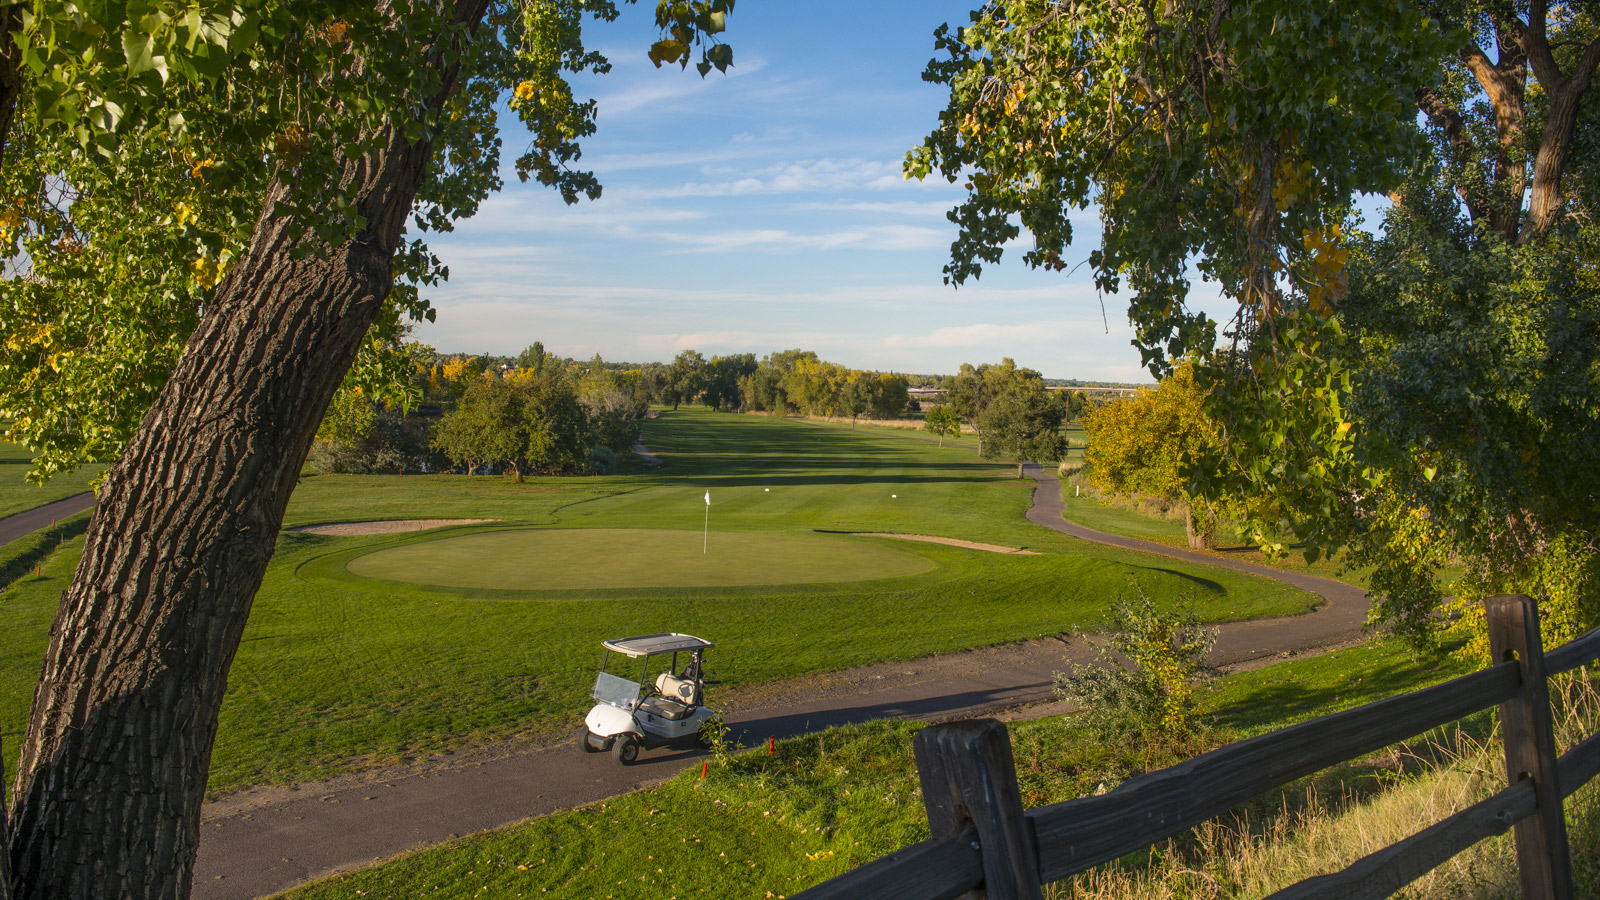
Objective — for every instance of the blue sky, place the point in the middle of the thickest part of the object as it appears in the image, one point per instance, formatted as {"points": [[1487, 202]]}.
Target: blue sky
{"points": [[761, 211]]}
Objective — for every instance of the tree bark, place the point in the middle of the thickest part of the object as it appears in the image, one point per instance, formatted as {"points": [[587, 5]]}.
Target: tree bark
{"points": [[1505, 83], [1549, 164], [10, 77], [114, 761], [1564, 92]]}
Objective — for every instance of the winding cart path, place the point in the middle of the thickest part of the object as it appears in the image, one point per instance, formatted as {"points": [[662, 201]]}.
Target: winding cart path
{"points": [[28, 521], [267, 840]]}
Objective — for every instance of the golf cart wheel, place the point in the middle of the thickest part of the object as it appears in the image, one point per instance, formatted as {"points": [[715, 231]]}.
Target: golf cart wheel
{"points": [[586, 741], [625, 749]]}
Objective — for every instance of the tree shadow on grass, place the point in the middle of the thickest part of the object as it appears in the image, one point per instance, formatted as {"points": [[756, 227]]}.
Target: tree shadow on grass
{"points": [[1205, 584]]}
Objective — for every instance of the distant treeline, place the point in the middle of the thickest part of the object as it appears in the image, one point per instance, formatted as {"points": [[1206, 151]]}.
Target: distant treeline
{"points": [[541, 413]]}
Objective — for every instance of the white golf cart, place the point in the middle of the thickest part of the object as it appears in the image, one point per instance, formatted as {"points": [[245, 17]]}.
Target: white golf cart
{"points": [[664, 711]]}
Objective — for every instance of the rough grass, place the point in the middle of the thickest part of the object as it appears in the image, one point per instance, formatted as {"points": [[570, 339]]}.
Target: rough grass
{"points": [[17, 494], [337, 672], [830, 801], [1329, 826]]}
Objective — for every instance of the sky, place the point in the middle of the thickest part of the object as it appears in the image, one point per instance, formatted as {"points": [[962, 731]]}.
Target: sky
{"points": [[764, 210]]}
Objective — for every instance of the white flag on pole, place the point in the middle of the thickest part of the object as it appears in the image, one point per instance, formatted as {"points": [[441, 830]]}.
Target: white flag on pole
{"points": [[708, 497]]}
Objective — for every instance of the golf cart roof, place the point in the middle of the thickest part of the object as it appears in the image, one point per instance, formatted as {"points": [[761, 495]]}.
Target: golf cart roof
{"points": [[651, 644]]}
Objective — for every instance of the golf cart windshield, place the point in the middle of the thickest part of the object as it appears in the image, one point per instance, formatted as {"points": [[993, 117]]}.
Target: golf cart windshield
{"points": [[609, 688]]}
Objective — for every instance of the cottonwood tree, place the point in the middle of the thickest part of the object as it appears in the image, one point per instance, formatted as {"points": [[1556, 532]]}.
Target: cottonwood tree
{"points": [[855, 395], [113, 762], [528, 423], [967, 395], [1145, 444], [1227, 141], [684, 378], [891, 393], [942, 421], [722, 379], [1021, 419]]}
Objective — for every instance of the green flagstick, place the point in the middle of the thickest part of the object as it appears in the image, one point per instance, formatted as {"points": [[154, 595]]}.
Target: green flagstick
{"points": [[706, 540]]}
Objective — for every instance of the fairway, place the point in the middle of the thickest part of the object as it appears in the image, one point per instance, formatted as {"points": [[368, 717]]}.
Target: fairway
{"points": [[340, 671], [556, 559]]}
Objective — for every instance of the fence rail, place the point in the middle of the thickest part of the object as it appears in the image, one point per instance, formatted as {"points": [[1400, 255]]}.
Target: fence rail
{"points": [[983, 841]]}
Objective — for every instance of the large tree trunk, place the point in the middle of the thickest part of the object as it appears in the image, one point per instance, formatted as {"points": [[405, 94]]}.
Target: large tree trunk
{"points": [[114, 762], [1564, 93], [1548, 165]]}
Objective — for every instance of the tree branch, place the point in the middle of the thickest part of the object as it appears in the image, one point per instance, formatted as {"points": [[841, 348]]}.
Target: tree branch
{"points": [[1445, 116]]}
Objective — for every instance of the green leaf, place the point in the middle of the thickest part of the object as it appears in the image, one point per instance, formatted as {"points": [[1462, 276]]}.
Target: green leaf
{"points": [[138, 49]]}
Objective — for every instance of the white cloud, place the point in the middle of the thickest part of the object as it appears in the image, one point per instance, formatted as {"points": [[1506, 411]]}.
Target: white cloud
{"points": [[879, 237], [930, 209], [808, 176]]}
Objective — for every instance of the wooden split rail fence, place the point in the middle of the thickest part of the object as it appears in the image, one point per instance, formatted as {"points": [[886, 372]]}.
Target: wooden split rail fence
{"points": [[985, 844]]}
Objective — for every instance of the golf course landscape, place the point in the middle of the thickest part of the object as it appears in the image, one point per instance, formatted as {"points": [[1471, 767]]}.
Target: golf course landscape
{"points": [[372, 650]]}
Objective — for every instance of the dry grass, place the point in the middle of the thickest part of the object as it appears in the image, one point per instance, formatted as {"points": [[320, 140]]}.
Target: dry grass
{"points": [[1317, 831]]}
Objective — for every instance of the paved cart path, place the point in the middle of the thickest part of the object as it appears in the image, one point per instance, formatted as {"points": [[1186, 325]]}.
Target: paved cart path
{"points": [[25, 523], [264, 841]]}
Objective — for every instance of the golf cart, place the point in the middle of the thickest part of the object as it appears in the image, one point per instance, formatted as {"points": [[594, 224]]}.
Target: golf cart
{"points": [[661, 711]]}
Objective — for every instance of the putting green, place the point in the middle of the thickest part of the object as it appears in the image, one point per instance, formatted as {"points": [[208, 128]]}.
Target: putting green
{"points": [[602, 559]]}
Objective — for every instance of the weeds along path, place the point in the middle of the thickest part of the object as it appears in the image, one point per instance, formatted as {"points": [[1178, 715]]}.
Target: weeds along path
{"points": [[267, 840]]}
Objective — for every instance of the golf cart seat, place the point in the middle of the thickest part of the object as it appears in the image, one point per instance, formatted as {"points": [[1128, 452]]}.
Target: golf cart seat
{"points": [[666, 708], [679, 689]]}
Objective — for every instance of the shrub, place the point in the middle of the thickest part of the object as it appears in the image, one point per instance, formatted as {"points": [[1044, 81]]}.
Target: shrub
{"points": [[603, 459], [1142, 682]]}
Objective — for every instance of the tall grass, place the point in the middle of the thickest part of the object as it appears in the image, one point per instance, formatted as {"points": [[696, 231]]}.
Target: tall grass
{"points": [[1332, 824]]}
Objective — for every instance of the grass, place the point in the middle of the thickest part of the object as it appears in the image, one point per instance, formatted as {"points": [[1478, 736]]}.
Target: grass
{"points": [[1327, 827], [821, 805], [1116, 517], [613, 558], [338, 672], [17, 494], [966, 441]]}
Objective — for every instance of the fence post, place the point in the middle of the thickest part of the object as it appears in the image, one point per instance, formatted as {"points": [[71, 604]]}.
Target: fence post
{"points": [[969, 782], [1543, 860]]}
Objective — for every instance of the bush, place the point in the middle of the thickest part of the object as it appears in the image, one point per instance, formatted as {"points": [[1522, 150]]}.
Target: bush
{"points": [[603, 459], [1142, 682]]}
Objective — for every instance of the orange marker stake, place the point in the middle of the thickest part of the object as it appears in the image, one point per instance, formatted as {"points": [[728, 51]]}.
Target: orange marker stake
{"points": [[772, 745], [703, 767]]}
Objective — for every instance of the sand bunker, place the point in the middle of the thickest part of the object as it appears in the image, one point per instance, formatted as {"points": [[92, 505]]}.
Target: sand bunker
{"points": [[392, 526], [953, 542]]}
